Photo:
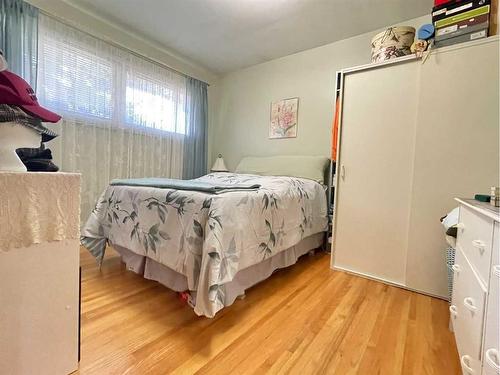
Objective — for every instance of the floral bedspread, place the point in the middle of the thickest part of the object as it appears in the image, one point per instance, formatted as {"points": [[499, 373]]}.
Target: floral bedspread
{"points": [[208, 238]]}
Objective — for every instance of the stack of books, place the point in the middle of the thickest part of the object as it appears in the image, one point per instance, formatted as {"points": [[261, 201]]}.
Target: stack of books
{"points": [[460, 21]]}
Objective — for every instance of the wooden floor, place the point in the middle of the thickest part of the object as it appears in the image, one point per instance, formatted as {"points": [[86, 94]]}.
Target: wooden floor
{"points": [[306, 319]]}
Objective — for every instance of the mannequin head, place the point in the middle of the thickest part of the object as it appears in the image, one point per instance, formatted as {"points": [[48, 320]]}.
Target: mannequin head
{"points": [[12, 137]]}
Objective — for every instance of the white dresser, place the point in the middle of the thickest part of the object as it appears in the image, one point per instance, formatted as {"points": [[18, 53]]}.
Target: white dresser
{"points": [[475, 303], [39, 273]]}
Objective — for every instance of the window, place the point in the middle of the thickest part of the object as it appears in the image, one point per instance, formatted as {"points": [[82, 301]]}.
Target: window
{"points": [[154, 105], [72, 80], [85, 78], [123, 116]]}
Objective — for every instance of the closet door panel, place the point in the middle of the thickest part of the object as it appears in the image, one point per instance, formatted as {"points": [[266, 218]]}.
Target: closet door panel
{"points": [[376, 154], [456, 150]]}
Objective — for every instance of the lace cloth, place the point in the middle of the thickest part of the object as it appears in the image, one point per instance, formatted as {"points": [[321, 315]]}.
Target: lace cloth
{"points": [[37, 208]]}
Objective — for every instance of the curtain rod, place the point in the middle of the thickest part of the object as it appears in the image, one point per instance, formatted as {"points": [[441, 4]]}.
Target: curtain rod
{"points": [[118, 45]]}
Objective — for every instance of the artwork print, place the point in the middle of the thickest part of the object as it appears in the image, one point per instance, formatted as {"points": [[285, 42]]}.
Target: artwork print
{"points": [[284, 118]]}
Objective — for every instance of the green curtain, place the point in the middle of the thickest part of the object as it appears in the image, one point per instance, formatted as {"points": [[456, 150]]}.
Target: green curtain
{"points": [[195, 141], [19, 37]]}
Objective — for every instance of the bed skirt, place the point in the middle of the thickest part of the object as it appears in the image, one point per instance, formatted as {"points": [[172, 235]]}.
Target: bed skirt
{"points": [[244, 279]]}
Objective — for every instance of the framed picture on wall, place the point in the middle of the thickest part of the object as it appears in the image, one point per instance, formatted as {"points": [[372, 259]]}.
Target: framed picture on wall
{"points": [[284, 118]]}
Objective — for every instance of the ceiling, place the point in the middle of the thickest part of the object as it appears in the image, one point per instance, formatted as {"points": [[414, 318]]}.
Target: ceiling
{"points": [[227, 35]]}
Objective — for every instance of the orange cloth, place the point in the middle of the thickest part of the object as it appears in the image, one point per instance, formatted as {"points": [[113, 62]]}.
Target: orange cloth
{"points": [[335, 130]]}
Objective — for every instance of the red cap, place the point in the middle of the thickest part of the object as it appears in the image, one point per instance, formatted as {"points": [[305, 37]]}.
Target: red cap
{"points": [[16, 91]]}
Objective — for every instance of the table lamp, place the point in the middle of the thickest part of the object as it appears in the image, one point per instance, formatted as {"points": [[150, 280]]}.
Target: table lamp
{"points": [[219, 165]]}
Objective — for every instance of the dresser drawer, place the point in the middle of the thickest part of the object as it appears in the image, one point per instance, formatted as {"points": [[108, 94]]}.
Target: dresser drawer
{"points": [[468, 308], [491, 351], [475, 237], [491, 362], [470, 366], [489, 370]]}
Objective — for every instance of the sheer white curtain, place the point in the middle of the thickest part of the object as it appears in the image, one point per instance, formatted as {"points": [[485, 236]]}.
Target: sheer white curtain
{"points": [[123, 116]]}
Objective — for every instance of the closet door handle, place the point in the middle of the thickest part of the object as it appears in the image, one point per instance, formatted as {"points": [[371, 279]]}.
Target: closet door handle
{"points": [[342, 171], [480, 245], [453, 311], [469, 304], [456, 268], [465, 361], [496, 270], [492, 359]]}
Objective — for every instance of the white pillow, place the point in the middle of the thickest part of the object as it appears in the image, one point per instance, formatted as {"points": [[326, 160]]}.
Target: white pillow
{"points": [[311, 167]]}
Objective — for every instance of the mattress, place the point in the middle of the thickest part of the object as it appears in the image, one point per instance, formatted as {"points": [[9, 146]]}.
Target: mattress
{"points": [[208, 238]]}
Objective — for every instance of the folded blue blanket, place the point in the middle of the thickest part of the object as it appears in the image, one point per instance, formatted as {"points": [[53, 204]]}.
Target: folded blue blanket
{"points": [[193, 185]]}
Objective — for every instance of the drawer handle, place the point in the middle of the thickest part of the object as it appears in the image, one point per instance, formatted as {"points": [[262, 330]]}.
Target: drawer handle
{"points": [[456, 268], [496, 270], [453, 311], [480, 245], [469, 304], [492, 359], [465, 361]]}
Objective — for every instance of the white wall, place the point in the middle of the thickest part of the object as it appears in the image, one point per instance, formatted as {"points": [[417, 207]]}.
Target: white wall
{"points": [[242, 121]]}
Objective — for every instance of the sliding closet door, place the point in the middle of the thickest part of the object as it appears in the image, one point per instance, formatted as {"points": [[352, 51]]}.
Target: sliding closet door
{"points": [[375, 169], [456, 150]]}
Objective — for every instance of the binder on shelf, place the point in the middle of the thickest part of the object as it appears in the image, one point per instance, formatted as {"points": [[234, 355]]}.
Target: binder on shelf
{"points": [[456, 7], [462, 38], [462, 31], [462, 16]]}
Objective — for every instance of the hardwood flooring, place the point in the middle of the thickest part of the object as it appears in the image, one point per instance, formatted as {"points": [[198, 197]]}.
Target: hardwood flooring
{"points": [[306, 319]]}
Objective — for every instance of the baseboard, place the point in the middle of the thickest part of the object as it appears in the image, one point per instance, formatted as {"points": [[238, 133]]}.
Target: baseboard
{"points": [[388, 282]]}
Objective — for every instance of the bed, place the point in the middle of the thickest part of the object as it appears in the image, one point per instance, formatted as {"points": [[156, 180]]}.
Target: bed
{"points": [[214, 244]]}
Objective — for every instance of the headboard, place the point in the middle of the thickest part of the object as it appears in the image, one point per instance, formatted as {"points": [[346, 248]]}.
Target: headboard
{"points": [[311, 167]]}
